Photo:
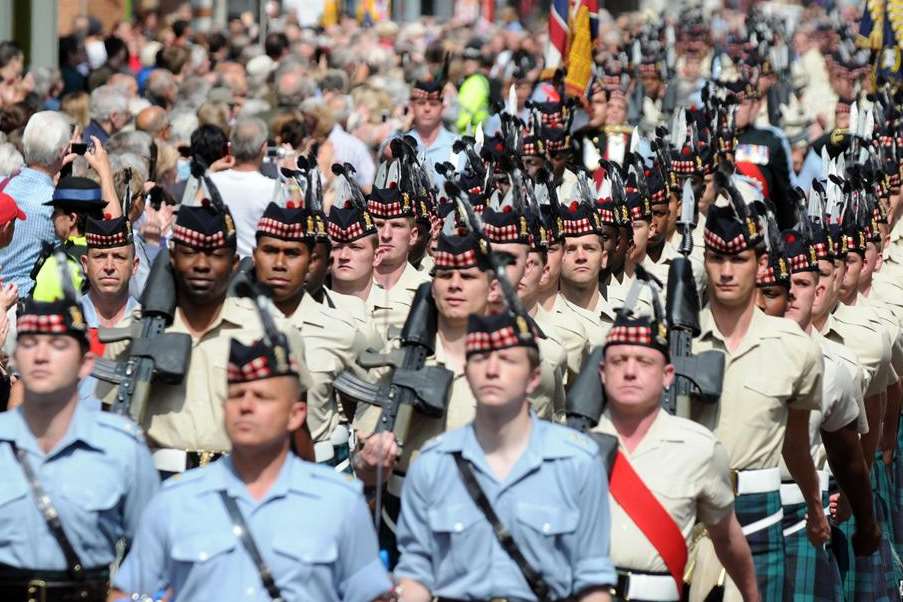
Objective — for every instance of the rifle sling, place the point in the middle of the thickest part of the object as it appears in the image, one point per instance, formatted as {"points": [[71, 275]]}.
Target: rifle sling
{"points": [[45, 506], [241, 530], [534, 580]]}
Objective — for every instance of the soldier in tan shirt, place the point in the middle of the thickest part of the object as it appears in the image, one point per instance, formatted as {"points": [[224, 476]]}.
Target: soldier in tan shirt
{"points": [[395, 280], [332, 341], [184, 422], [680, 462], [772, 380], [581, 264]]}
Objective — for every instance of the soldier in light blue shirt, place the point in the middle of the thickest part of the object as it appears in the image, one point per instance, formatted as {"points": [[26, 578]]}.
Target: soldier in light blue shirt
{"points": [[546, 484], [93, 467], [309, 525]]}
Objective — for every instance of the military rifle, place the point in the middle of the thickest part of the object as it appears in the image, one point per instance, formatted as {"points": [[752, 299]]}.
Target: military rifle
{"points": [[701, 374], [153, 353]]}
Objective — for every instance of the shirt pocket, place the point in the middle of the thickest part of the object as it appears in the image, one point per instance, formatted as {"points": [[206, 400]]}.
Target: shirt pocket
{"points": [[297, 559], [459, 541], [543, 533], [94, 502], [15, 505], [200, 557], [767, 395]]}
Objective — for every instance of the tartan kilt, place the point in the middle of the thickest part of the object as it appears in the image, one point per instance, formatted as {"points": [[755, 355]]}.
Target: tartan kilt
{"points": [[865, 580], [884, 497], [897, 508], [809, 571], [767, 545]]}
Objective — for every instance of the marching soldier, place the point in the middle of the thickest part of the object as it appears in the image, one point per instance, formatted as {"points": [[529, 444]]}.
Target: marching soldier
{"points": [[184, 422], [772, 380], [76, 481], [260, 523], [582, 261], [669, 472], [395, 280], [509, 234], [509, 506], [460, 287], [331, 340]]}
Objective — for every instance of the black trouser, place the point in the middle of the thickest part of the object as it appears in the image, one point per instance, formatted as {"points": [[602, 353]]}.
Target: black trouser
{"points": [[53, 586]]}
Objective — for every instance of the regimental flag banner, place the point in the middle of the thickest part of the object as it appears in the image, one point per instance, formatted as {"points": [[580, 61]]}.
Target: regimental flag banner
{"points": [[881, 29], [558, 34], [580, 52]]}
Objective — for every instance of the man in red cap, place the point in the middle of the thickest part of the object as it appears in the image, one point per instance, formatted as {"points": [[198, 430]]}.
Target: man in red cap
{"points": [[9, 213]]}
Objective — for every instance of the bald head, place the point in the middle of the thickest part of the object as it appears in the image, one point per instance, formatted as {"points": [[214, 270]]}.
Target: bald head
{"points": [[154, 121]]}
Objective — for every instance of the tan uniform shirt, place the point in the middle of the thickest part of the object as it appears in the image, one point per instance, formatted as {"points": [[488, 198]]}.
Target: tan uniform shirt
{"points": [[460, 411], [660, 268], [852, 328], [331, 345], [389, 309], [189, 416], [357, 309], [686, 468], [842, 399], [569, 334], [774, 368], [596, 322], [885, 316]]}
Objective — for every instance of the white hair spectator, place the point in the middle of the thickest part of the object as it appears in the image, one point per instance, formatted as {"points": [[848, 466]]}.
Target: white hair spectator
{"points": [[45, 80], [45, 138], [107, 100], [135, 142], [248, 136], [182, 123], [11, 159]]}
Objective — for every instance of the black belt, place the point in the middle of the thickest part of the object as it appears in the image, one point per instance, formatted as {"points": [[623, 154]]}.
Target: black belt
{"points": [[196, 459], [34, 585]]}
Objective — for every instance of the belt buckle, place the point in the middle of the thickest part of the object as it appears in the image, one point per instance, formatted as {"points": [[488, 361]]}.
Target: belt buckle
{"points": [[205, 457], [497, 599], [735, 481], [36, 590]]}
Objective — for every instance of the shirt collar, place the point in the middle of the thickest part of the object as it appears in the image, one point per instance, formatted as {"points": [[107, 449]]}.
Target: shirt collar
{"points": [[753, 335], [36, 175], [81, 430], [224, 478], [233, 313]]}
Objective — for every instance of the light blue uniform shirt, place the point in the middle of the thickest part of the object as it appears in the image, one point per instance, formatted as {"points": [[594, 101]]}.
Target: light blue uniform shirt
{"points": [[31, 189], [438, 152], [554, 502], [312, 529], [99, 477]]}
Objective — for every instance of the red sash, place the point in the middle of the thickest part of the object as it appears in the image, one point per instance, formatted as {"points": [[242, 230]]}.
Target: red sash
{"points": [[650, 516], [94, 342]]}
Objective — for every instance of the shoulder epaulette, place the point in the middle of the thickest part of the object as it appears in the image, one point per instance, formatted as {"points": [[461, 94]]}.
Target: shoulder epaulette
{"points": [[121, 424]]}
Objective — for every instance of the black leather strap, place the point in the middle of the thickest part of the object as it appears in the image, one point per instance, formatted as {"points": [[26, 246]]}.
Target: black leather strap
{"points": [[74, 565], [247, 540], [537, 585]]}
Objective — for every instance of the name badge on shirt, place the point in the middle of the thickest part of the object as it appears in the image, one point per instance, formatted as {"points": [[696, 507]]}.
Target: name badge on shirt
{"points": [[751, 153]]}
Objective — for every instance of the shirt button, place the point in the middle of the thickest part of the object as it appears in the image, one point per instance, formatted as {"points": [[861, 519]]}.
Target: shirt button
{"points": [[203, 556], [459, 527], [250, 592], [546, 528]]}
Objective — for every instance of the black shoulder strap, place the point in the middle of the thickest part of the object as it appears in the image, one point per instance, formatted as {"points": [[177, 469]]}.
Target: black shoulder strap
{"points": [[47, 249], [74, 564], [240, 528], [537, 585]]}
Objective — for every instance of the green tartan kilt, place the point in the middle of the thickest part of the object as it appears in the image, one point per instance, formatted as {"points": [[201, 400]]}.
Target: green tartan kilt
{"points": [[897, 484], [864, 578], [767, 545], [811, 574], [884, 498]]}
